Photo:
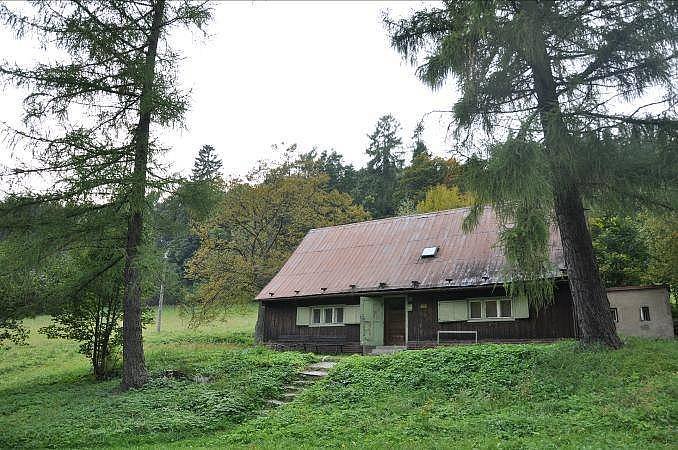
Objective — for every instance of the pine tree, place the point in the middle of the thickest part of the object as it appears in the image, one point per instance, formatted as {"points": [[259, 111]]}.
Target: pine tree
{"points": [[554, 74], [207, 165], [114, 77]]}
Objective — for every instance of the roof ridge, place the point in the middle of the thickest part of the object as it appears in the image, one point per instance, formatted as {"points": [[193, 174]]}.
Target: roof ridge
{"points": [[384, 219]]}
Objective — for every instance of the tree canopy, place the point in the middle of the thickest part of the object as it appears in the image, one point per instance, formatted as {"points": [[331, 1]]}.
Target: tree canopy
{"points": [[545, 83]]}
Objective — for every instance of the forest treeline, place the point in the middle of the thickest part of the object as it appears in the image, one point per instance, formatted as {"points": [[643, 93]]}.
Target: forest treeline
{"points": [[213, 243]]}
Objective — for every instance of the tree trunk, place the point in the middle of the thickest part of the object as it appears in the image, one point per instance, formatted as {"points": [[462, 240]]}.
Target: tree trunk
{"points": [[134, 373], [591, 306]]}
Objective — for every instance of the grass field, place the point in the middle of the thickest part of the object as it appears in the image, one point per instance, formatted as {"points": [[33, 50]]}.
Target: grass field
{"points": [[484, 396]]}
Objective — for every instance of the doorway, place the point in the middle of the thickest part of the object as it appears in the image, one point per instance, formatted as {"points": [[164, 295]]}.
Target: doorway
{"points": [[394, 321]]}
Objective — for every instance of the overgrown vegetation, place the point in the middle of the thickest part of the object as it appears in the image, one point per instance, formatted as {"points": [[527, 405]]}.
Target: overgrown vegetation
{"points": [[50, 400], [481, 396], [485, 396]]}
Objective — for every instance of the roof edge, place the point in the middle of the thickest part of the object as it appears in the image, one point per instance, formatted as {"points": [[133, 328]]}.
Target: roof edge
{"points": [[383, 219], [386, 291], [638, 288]]}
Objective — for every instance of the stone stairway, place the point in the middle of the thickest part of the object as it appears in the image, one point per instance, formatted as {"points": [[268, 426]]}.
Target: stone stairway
{"points": [[307, 377]]}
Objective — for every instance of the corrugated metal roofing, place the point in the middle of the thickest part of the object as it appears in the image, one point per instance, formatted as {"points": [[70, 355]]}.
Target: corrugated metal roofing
{"points": [[387, 253]]}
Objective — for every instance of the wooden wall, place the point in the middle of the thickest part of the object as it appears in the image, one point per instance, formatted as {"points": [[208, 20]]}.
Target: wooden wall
{"points": [[281, 330], [550, 323]]}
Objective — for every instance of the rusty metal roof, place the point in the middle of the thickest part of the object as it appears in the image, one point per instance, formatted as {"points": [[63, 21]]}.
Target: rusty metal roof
{"points": [[385, 254]]}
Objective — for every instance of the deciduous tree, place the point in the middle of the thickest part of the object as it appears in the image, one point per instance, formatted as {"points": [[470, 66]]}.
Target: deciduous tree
{"points": [[576, 87], [90, 111]]}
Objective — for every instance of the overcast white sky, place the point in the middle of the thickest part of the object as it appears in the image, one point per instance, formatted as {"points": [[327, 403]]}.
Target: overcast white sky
{"points": [[312, 73]]}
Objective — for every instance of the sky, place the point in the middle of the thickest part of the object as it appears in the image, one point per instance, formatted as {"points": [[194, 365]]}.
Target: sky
{"points": [[312, 73]]}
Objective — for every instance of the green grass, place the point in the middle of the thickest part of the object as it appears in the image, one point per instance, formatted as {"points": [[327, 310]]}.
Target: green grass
{"points": [[48, 397], [484, 396]]}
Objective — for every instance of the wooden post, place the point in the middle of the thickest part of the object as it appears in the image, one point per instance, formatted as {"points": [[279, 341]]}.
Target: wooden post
{"points": [[160, 299]]}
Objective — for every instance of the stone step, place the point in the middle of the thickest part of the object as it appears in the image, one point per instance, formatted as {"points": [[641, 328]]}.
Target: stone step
{"points": [[302, 383], [294, 388], [290, 395], [322, 365], [314, 373], [387, 349], [274, 402]]}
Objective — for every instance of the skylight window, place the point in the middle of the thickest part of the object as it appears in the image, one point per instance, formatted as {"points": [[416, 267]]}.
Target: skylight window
{"points": [[429, 252]]}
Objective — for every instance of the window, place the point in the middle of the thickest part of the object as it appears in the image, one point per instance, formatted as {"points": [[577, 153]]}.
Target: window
{"points": [[327, 316], [429, 252], [491, 309], [615, 314], [505, 308], [476, 310], [644, 313], [339, 315]]}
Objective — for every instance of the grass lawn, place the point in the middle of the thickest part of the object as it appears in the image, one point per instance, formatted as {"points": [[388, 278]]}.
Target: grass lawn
{"points": [[483, 396]]}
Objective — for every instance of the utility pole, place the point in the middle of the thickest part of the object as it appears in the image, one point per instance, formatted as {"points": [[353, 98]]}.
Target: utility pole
{"points": [[158, 322], [162, 292]]}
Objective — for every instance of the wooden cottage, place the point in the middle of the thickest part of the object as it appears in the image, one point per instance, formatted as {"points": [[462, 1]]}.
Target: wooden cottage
{"points": [[413, 281]]}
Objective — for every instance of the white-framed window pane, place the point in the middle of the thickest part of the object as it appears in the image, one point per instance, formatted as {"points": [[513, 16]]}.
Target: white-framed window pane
{"points": [[316, 316], [328, 315], [645, 313], [339, 315], [475, 310], [491, 308], [615, 314], [505, 308]]}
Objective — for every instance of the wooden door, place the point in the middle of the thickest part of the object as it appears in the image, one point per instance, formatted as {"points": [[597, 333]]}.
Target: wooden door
{"points": [[394, 321], [371, 321]]}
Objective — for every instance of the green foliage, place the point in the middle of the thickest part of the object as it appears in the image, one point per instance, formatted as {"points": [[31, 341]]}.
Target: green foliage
{"points": [[441, 197], [207, 165], [637, 250], [621, 252], [514, 182], [255, 229], [424, 173], [50, 401], [384, 165], [91, 315]]}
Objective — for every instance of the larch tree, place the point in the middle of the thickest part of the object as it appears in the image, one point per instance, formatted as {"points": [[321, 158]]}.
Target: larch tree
{"points": [[92, 107], [577, 100]]}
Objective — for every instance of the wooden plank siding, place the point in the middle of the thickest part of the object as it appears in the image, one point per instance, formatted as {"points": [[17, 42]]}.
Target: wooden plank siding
{"points": [[282, 332], [550, 323], [553, 322]]}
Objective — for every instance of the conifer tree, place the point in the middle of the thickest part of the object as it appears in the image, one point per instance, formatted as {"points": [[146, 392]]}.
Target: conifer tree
{"points": [[384, 165], [579, 100], [207, 165], [89, 113]]}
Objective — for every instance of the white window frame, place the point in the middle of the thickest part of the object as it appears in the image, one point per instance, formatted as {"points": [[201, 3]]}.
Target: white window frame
{"points": [[322, 309], [642, 319], [483, 311]]}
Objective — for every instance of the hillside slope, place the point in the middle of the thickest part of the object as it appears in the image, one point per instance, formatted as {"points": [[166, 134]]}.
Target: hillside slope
{"points": [[485, 396], [480, 396]]}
